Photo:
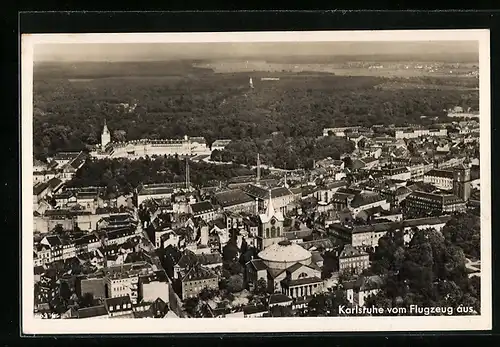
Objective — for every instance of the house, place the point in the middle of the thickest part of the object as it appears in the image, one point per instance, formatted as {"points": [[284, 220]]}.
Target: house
{"points": [[89, 199], [54, 243], [325, 192], [235, 200], [397, 173], [189, 259], [69, 249], [40, 166], [352, 259], [156, 191], [87, 243], [40, 191], [155, 309], [154, 286], [119, 307], [123, 280], [94, 285], [197, 279], [203, 210], [63, 158], [442, 179], [359, 290], [367, 200], [434, 202], [116, 221], [118, 236], [255, 270], [365, 236], [220, 144], [168, 238]]}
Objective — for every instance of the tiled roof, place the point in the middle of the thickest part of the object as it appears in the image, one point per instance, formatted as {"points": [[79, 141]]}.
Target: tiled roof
{"points": [[39, 188], [115, 234], [157, 189], [232, 197], [257, 264], [202, 207], [198, 273], [94, 311], [66, 155], [349, 251], [263, 193], [54, 240], [279, 298], [440, 173], [365, 199], [118, 304]]}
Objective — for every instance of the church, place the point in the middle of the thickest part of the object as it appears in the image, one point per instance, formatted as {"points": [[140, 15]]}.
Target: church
{"points": [[270, 226], [285, 267]]}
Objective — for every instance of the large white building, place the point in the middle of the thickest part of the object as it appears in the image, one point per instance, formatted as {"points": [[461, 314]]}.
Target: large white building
{"points": [[149, 147], [416, 133]]}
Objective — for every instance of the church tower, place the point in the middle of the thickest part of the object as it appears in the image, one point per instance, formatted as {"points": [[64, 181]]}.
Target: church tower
{"points": [[270, 226], [105, 136], [461, 181]]}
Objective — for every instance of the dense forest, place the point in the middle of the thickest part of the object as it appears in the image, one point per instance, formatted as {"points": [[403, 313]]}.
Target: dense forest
{"points": [[431, 270], [284, 152], [121, 176], [69, 111]]}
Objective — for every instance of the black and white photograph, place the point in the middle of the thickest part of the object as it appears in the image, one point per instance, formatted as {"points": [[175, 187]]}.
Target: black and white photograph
{"points": [[256, 182]]}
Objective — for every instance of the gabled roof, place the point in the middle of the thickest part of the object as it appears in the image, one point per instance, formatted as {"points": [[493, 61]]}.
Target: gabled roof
{"points": [[121, 303], [40, 187], [349, 252], [257, 264], [202, 207], [198, 273], [365, 199], [53, 240]]}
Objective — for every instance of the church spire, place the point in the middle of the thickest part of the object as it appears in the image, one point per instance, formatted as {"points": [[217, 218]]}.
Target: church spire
{"points": [[270, 211]]}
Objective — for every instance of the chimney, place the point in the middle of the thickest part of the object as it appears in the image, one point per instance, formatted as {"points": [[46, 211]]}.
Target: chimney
{"points": [[187, 174], [258, 169]]}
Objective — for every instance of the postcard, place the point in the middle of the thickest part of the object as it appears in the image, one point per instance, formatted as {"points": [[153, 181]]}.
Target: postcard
{"points": [[323, 181]]}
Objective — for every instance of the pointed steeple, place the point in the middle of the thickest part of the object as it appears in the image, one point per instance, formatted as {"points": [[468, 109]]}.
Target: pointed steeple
{"points": [[270, 211]]}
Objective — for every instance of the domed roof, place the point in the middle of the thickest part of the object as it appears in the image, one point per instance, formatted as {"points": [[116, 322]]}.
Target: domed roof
{"points": [[285, 251]]}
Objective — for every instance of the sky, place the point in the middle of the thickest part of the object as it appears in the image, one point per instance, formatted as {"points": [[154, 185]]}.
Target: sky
{"points": [[174, 51]]}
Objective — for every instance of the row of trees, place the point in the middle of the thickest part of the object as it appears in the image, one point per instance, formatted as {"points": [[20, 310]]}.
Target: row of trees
{"points": [[69, 115], [284, 152], [121, 176]]}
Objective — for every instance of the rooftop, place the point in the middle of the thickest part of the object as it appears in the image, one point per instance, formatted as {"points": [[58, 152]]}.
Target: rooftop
{"points": [[232, 197], [285, 251], [202, 207], [198, 273]]}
